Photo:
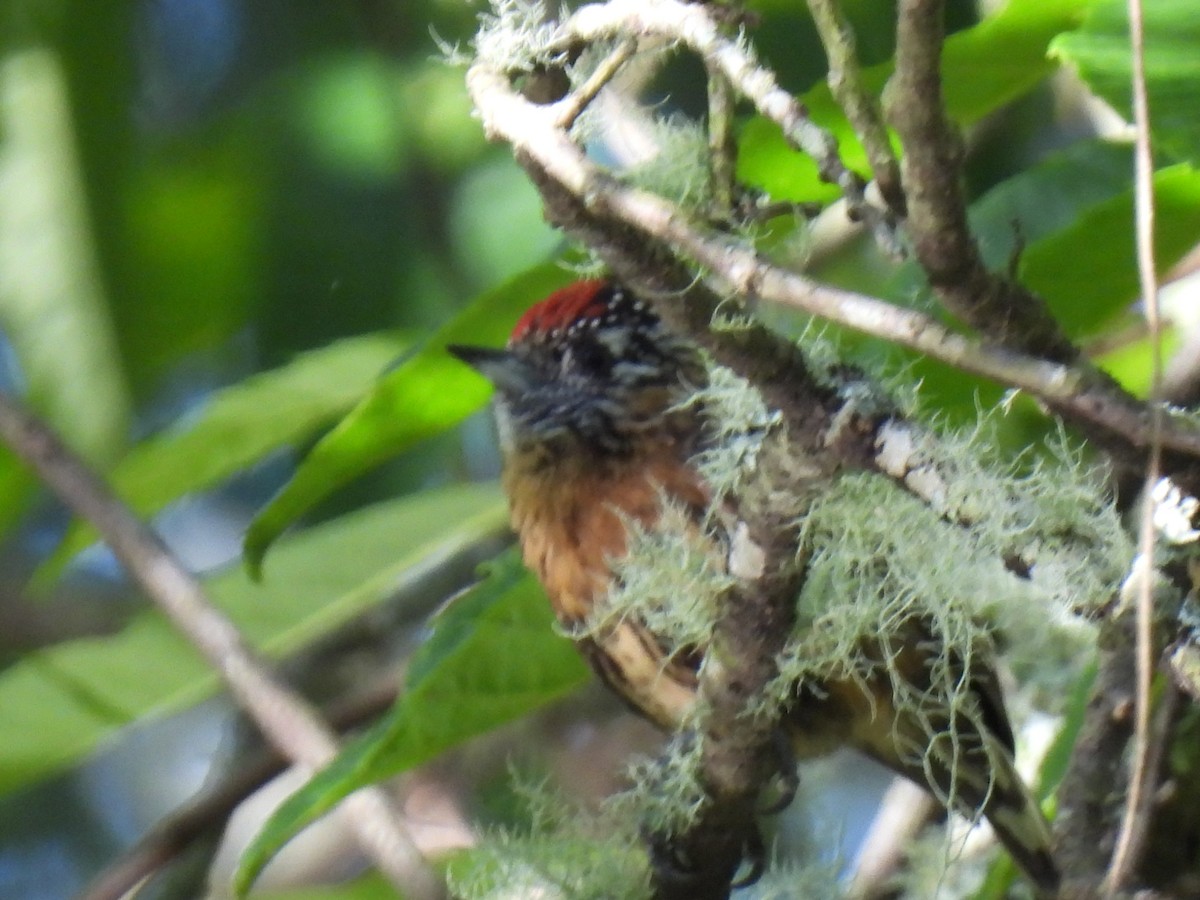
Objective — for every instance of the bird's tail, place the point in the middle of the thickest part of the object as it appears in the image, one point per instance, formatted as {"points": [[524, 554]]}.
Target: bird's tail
{"points": [[1017, 819], [983, 779]]}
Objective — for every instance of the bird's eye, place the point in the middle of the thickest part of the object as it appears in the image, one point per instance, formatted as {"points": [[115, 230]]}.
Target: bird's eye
{"points": [[588, 358]]}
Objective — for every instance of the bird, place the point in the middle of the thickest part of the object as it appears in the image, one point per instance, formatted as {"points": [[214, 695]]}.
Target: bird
{"points": [[598, 434]]}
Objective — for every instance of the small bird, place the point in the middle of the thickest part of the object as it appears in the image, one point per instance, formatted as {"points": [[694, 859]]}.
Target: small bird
{"points": [[597, 434]]}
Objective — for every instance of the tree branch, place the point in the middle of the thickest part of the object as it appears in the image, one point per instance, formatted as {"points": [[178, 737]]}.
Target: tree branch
{"points": [[1117, 421], [1086, 823], [937, 213], [286, 720], [862, 109]]}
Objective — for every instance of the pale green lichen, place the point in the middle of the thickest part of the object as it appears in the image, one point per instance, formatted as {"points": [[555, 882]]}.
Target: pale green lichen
{"points": [[1009, 559], [679, 170], [672, 576], [882, 559], [570, 852], [518, 36], [666, 155], [737, 421], [677, 595], [731, 316], [1002, 558], [567, 853], [666, 794]]}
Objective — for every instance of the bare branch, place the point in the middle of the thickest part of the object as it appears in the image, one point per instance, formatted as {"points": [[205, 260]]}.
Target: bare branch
{"points": [[1085, 826], [937, 213], [287, 721]]}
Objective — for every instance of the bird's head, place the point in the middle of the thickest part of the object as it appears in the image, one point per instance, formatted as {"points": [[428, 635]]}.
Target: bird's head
{"points": [[591, 367]]}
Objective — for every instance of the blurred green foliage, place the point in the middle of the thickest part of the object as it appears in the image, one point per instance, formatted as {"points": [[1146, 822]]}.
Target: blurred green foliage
{"points": [[234, 232]]}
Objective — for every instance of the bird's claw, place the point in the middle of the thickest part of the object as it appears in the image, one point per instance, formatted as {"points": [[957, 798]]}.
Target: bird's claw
{"points": [[754, 860], [674, 867], [786, 775], [670, 865]]}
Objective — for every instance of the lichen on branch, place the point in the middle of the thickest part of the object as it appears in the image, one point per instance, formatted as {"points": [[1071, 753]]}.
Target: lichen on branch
{"points": [[1040, 545]]}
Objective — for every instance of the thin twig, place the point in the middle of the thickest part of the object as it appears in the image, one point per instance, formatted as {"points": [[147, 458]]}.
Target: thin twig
{"points": [[572, 106], [722, 148], [1134, 823], [861, 107], [287, 721]]}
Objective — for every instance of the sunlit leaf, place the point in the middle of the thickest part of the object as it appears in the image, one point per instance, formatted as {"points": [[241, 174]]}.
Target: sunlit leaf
{"points": [[52, 308], [1101, 52], [1005, 55], [1131, 364], [1085, 296], [241, 425], [57, 704], [492, 655], [425, 395], [983, 68]]}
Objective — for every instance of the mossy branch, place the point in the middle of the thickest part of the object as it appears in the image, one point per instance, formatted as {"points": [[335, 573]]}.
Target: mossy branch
{"points": [[658, 245]]}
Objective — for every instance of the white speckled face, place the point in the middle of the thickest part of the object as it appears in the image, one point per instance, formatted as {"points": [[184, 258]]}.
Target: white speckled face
{"points": [[589, 362], [504, 424]]}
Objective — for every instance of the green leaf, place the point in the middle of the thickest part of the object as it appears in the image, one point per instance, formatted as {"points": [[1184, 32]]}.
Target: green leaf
{"points": [[1033, 205], [1030, 206], [1004, 56], [52, 308], [1132, 364], [1048, 197], [1101, 52], [1058, 757], [425, 395], [191, 257], [57, 704], [982, 69], [493, 655], [241, 425], [1088, 271]]}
